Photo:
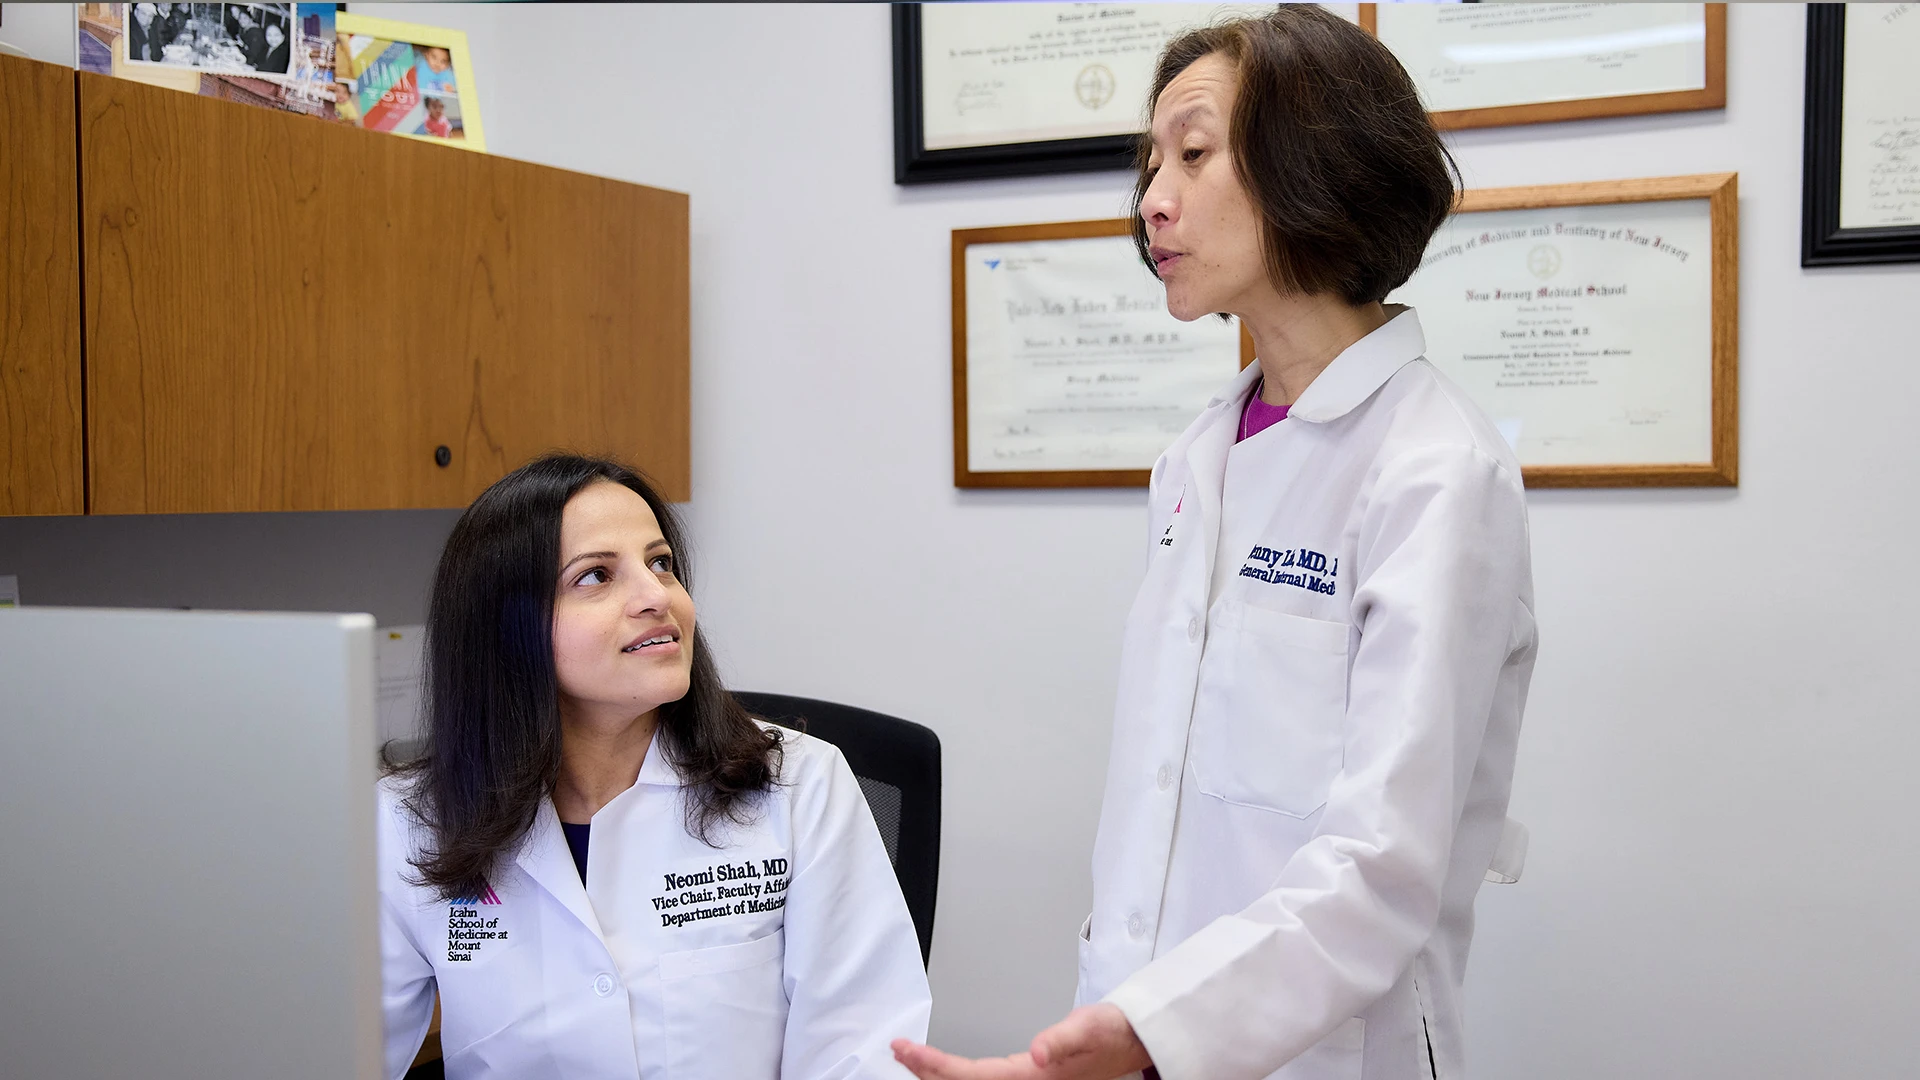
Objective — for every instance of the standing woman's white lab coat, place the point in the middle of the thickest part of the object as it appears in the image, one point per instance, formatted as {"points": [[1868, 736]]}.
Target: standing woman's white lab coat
{"points": [[785, 952], [1320, 695]]}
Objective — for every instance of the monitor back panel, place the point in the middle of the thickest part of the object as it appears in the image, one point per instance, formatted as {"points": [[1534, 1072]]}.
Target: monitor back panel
{"points": [[187, 845]]}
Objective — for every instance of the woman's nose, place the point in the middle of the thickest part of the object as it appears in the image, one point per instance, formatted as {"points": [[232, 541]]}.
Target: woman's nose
{"points": [[649, 595], [1158, 207]]}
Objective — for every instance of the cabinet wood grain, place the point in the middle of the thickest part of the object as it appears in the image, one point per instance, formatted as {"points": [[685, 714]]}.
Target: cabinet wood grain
{"points": [[42, 436], [284, 314]]}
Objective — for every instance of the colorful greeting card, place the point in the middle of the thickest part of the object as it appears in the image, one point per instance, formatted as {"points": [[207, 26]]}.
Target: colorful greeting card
{"points": [[406, 79]]}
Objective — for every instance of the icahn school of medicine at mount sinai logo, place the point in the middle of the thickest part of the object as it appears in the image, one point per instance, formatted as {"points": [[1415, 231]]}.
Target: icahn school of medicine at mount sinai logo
{"points": [[487, 897]]}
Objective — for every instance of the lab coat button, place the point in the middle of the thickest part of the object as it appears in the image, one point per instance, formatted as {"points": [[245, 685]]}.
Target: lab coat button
{"points": [[1164, 777], [603, 985], [1136, 925], [1193, 629]]}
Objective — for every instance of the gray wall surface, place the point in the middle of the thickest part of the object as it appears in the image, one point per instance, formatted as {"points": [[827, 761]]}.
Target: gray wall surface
{"points": [[380, 562]]}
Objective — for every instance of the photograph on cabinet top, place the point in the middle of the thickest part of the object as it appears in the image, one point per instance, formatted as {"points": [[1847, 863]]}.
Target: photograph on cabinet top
{"points": [[232, 39]]}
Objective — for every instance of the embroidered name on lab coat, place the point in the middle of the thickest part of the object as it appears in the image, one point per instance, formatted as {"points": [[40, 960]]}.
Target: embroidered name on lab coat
{"points": [[1166, 538], [1303, 568], [721, 890]]}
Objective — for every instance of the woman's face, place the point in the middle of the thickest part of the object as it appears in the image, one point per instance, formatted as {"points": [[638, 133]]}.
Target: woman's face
{"points": [[1202, 227], [622, 622]]}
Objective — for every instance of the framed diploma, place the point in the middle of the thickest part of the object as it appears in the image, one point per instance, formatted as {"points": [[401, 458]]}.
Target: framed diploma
{"points": [[1860, 196], [988, 90], [1596, 325], [1487, 65], [1067, 369]]}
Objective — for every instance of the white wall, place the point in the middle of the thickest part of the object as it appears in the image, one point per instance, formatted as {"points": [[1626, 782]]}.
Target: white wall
{"points": [[43, 31], [1720, 752]]}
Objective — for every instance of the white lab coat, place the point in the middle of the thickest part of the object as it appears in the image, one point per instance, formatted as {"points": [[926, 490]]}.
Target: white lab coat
{"points": [[1320, 695], [786, 952]]}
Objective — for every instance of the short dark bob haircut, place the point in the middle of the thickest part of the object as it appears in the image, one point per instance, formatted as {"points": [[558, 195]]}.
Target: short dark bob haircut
{"points": [[1332, 145], [492, 752]]}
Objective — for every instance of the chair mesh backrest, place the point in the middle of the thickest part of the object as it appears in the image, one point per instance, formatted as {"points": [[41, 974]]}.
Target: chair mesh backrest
{"points": [[884, 799], [897, 763]]}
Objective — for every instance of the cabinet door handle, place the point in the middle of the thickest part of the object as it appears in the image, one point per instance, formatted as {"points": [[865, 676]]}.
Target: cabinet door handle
{"points": [[442, 456]]}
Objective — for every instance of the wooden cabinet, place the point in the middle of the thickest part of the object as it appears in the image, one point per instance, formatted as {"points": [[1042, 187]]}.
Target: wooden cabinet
{"points": [[41, 432], [285, 314]]}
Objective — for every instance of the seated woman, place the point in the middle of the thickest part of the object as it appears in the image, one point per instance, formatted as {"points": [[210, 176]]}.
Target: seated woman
{"points": [[603, 863]]}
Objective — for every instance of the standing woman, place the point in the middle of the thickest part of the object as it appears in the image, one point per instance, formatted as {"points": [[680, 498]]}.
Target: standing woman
{"points": [[605, 866], [1323, 674]]}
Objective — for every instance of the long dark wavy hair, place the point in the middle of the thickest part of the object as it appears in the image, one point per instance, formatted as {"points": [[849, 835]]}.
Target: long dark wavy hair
{"points": [[492, 751]]}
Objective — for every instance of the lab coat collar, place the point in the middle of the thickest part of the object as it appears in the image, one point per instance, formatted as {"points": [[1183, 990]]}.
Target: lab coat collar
{"points": [[1206, 457], [549, 862], [1237, 390], [1361, 368], [547, 859], [655, 769]]}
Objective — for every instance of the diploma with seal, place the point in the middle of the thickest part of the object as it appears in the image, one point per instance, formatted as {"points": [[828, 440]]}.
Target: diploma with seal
{"points": [[1484, 65], [1021, 89], [1067, 369], [1594, 323]]}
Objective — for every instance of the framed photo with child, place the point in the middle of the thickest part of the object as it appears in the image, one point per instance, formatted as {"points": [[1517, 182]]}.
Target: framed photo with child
{"points": [[406, 79]]}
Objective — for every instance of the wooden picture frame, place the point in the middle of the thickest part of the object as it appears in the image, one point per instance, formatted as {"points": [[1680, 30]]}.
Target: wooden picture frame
{"points": [[1720, 190], [964, 476], [1823, 240], [1712, 96]]}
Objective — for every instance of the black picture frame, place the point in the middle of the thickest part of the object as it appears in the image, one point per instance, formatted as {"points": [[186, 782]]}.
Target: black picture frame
{"points": [[913, 163], [1822, 241]]}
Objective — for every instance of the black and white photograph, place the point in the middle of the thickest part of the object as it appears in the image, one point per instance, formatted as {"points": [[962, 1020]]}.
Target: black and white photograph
{"points": [[254, 39]]}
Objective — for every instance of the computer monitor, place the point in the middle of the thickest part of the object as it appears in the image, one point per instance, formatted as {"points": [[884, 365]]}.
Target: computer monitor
{"points": [[187, 845]]}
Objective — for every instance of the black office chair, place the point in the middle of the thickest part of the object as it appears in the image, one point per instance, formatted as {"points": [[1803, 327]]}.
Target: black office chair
{"points": [[898, 765]]}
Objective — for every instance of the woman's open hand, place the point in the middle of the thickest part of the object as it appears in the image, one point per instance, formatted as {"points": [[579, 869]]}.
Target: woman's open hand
{"points": [[1093, 1043]]}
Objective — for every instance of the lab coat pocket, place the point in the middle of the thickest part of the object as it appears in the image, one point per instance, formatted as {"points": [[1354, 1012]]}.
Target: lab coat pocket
{"points": [[1270, 712], [725, 1009]]}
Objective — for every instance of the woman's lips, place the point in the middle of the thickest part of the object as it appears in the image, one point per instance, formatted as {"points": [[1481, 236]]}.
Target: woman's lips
{"points": [[665, 648], [660, 641]]}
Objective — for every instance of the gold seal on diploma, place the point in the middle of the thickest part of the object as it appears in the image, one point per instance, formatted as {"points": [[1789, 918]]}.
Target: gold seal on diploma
{"points": [[1094, 85]]}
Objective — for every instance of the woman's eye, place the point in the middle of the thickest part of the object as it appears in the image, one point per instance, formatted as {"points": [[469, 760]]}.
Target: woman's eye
{"points": [[1190, 156], [596, 576], [661, 564]]}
